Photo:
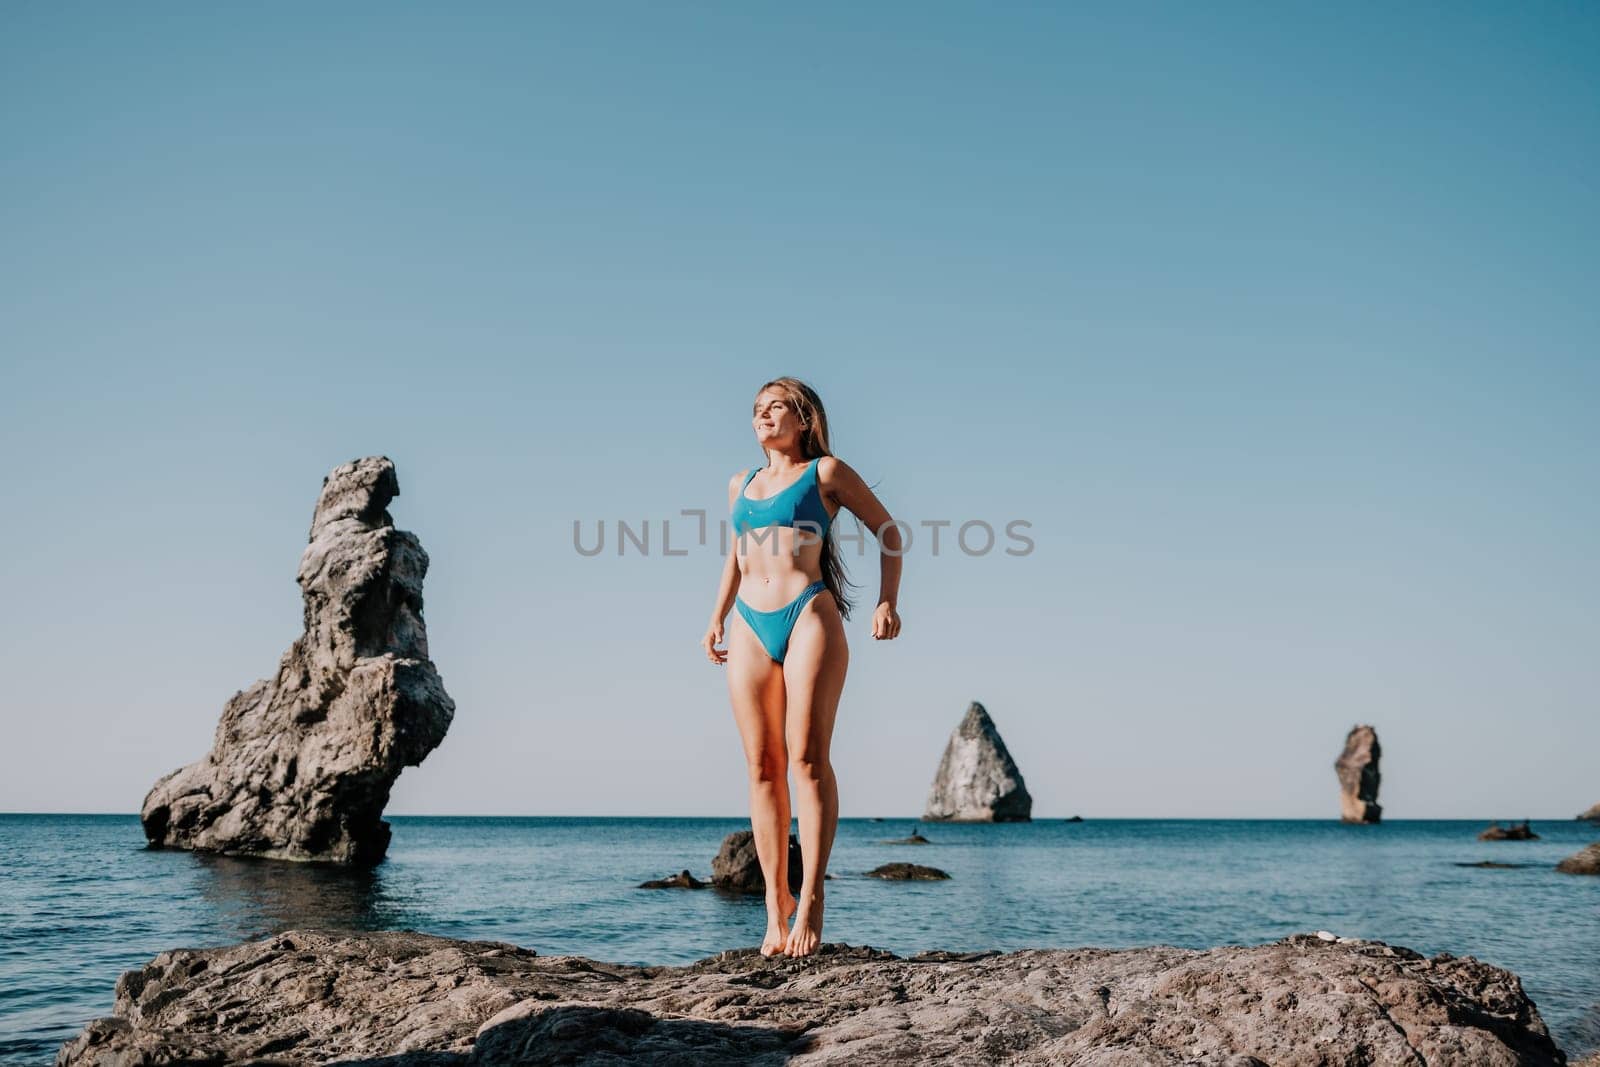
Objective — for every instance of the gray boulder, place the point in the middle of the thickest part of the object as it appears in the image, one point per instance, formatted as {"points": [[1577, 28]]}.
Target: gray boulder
{"points": [[737, 868], [978, 781], [407, 999], [1585, 862], [1357, 767], [302, 763]]}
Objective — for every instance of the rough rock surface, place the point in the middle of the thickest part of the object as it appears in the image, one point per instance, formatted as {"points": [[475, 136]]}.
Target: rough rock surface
{"points": [[1592, 815], [1358, 776], [978, 781], [1515, 832], [412, 1000], [737, 868], [302, 763], [907, 872], [1585, 862]]}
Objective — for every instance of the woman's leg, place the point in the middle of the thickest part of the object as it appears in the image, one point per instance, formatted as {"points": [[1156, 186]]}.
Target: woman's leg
{"points": [[813, 671], [755, 686]]}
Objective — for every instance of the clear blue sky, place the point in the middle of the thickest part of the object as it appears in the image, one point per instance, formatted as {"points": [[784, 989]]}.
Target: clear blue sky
{"points": [[1277, 322]]}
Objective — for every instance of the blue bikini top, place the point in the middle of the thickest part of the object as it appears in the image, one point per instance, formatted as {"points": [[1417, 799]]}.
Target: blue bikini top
{"points": [[800, 502]]}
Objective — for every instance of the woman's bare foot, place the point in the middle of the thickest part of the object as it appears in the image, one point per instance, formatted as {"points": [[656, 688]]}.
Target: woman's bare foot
{"points": [[778, 911], [806, 934]]}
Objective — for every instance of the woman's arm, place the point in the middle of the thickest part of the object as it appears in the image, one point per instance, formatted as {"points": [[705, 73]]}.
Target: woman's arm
{"points": [[726, 590], [840, 481]]}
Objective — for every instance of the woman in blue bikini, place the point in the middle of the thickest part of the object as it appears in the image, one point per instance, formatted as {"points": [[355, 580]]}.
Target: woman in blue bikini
{"points": [[786, 656]]}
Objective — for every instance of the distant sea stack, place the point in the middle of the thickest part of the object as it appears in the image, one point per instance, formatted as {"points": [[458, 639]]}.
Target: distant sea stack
{"points": [[1358, 777], [978, 781], [1592, 815], [302, 763]]}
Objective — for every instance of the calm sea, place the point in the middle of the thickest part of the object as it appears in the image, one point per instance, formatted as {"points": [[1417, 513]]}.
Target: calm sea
{"points": [[82, 899]]}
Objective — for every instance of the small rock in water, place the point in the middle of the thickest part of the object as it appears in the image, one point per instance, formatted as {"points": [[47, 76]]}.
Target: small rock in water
{"points": [[681, 880], [1514, 832], [1585, 862], [907, 872], [1491, 865], [737, 868]]}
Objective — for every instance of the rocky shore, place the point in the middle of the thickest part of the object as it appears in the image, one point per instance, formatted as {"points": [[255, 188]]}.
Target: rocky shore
{"points": [[413, 1000]]}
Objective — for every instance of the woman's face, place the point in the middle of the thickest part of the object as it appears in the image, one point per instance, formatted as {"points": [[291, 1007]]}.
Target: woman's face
{"points": [[775, 419]]}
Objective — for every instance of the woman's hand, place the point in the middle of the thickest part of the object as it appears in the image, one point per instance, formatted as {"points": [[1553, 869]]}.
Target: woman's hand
{"points": [[885, 622], [711, 640]]}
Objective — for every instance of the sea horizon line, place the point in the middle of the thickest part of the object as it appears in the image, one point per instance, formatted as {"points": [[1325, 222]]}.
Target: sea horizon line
{"points": [[1075, 817]]}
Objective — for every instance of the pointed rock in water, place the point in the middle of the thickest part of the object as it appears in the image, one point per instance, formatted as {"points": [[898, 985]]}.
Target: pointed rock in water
{"points": [[1585, 862], [737, 868], [977, 780], [1592, 815], [302, 763], [1358, 777]]}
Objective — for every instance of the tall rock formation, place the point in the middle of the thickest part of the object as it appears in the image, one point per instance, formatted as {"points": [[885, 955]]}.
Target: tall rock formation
{"points": [[1358, 777], [302, 763], [977, 780]]}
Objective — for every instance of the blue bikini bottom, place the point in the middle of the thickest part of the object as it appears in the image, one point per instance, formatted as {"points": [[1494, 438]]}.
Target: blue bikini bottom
{"points": [[774, 627]]}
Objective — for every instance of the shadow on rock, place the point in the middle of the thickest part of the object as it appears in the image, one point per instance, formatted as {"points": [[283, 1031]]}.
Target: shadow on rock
{"points": [[410, 1059], [582, 1034]]}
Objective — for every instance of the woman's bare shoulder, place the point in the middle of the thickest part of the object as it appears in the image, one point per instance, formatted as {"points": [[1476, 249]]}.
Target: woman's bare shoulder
{"points": [[831, 469]]}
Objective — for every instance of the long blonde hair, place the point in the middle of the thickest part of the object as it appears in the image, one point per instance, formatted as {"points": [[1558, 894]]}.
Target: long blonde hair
{"points": [[814, 443]]}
